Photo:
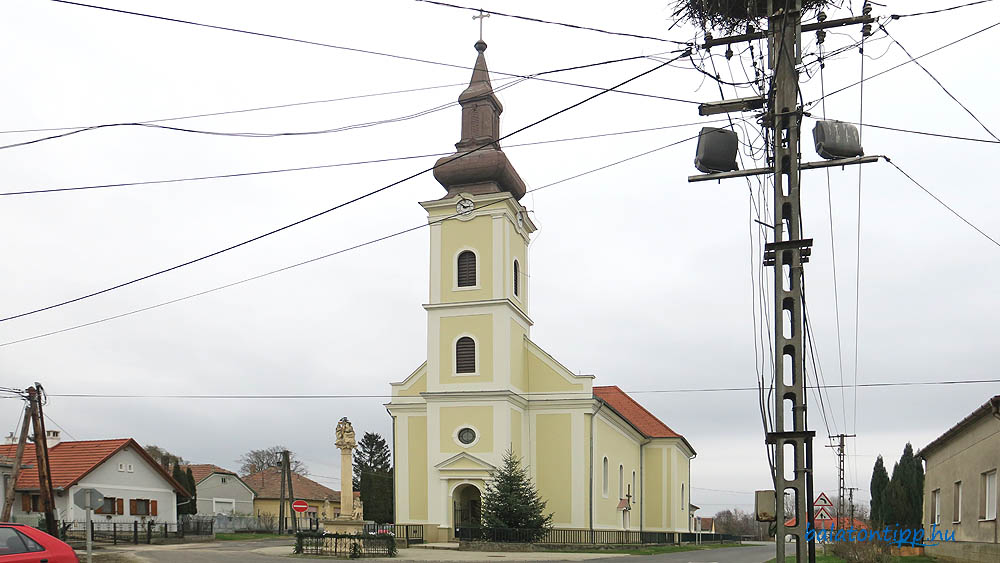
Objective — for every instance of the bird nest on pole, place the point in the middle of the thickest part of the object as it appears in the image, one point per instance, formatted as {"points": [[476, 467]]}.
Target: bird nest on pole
{"points": [[734, 15]]}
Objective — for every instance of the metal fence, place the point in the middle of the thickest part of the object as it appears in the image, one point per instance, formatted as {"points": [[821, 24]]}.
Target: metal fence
{"points": [[594, 537], [134, 532], [412, 533], [382, 545]]}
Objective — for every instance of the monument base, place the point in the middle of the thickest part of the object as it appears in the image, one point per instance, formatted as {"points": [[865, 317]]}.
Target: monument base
{"points": [[343, 526]]}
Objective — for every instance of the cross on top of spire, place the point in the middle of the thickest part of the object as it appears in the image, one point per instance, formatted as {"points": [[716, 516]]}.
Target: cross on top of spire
{"points": [[482, 15]]}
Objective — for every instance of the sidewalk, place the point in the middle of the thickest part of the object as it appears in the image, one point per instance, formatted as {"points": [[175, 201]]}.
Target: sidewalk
{"points": [[424, 554]]}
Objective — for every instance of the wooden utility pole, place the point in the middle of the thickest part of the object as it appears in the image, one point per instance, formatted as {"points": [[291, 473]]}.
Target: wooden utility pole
{"points": [[8, 501], [42, 455], [281, 501], [286, 464]]}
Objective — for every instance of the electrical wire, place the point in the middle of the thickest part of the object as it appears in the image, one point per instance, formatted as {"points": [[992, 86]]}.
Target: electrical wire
{"points": [[938, 82], [943, 204], [904, 63], [335, 207], [857, 271], [342, 164], [900, 16], [569, 25], [318, 258], [926, 133], [356, 50], [536, 393]]}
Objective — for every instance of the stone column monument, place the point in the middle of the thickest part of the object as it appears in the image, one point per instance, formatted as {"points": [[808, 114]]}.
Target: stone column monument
{"points": [[350, 520]]}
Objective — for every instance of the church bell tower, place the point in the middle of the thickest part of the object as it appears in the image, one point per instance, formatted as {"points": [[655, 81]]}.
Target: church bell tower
{"points": [[477, 311]]}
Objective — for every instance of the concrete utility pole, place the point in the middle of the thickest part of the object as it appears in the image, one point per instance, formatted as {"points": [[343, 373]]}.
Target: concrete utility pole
{"points": [[841, 487], [291, 495], [281, 500], [851, 492]]}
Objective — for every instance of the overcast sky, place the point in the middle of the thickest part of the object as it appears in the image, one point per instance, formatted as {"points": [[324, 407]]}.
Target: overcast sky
{"points": [[637, 276]]}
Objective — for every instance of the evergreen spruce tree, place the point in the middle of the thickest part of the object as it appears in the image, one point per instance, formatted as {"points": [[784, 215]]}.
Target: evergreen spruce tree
{"points": [[879, 483], [903, 502], [512, 501], [180, 477], [372, 456], [192, 507]]}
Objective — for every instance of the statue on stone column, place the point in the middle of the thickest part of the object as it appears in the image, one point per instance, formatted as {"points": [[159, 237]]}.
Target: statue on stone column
{"points": [[345, 435]]}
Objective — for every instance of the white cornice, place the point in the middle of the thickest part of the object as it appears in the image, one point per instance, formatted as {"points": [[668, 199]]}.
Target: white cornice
{"points": [[483, 303]]}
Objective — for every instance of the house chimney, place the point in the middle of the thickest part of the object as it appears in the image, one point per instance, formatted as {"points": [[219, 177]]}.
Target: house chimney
{"points": [[51, 438]]}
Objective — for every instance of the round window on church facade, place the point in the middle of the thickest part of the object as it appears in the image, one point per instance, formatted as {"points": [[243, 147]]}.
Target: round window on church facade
{"points": [[467, 436]]}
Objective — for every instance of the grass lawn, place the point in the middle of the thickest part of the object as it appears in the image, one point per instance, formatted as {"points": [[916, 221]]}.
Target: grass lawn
{"points": [[654, 550], [238, 537]]}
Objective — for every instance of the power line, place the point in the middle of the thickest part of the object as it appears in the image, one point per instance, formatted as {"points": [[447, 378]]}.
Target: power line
{"points": [[318, 258], [342, 164], [901, 16], [945, 205], [356, 50], [927, 133], [938, 82], [569, 25], [335, 207], [247, 110], [904, 63], [540, 393]]}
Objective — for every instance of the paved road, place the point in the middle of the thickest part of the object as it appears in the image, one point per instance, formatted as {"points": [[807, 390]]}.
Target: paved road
{"points": [[273, 551]]}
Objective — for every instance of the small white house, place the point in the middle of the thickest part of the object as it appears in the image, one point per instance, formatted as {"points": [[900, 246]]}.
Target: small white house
{"points": [[220, 491], [135, 487]]}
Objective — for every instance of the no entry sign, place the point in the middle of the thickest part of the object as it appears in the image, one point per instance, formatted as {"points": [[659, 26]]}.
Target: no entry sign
{"points": [[300, 506]]}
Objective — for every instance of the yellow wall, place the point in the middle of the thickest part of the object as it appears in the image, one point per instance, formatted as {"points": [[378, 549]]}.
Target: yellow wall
{"points": [[553, 466], [417, 457], [481, 328], [517, 356], [272, 507], [452, 418], [611, 443], [653, 488], [476, 234], [515, 433], [542, 378], [419, 384]]}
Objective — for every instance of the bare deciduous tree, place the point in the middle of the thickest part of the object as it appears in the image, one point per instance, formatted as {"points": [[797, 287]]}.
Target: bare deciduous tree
{"points": [[258, 460]]}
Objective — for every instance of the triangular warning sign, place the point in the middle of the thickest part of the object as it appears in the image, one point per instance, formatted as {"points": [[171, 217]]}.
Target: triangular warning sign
{"points": [[822, 514], [822, 500]]}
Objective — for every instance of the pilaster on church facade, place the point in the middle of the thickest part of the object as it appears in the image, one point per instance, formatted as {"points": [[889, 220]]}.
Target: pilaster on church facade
{"points": [[598, 458]]}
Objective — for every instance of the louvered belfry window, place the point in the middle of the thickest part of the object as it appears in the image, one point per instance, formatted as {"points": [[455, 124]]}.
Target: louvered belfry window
{"points": [[467, 269], [465, 355], [517, 279]]}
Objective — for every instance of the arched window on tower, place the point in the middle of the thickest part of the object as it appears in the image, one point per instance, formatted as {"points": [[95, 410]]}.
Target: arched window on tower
{"points": [[465, 355], [605, 487], [517, 279], [467, 269]]}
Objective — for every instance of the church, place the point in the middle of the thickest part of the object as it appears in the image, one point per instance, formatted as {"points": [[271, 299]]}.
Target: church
{"points": [[598, 458]]}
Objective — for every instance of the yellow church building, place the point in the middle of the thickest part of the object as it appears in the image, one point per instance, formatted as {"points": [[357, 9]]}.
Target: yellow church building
{"points": [[599, 459]]}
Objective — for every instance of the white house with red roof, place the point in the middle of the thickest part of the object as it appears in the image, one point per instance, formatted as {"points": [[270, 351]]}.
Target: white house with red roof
{"points": [[135, 487], [220, 491], [599, 459]]}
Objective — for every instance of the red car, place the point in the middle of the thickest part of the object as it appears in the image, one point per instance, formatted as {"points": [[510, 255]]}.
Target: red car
{"points": [[24, 544]]}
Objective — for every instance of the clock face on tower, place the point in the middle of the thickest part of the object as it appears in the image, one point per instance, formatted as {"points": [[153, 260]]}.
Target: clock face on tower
{"points": [[464, 206]]}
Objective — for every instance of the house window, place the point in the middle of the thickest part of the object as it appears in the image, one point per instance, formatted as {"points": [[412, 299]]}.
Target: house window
{"points": [[936, 506], [467, 436], [110, 506], [465, 355], [605, 486], [30, 503], [956, 509], [223, 480], [621, 482], [467, 269], [139, 507], [988, 500], [517, 279]]}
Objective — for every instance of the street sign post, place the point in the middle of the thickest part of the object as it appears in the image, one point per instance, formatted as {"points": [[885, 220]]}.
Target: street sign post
{"points": [[89, 499], [300, 506], [822, 500]]}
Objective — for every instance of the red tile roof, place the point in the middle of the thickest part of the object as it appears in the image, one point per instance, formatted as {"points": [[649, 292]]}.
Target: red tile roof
{"points": [[201, 471], [71, 461], [634, 413], [267, 485]]}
